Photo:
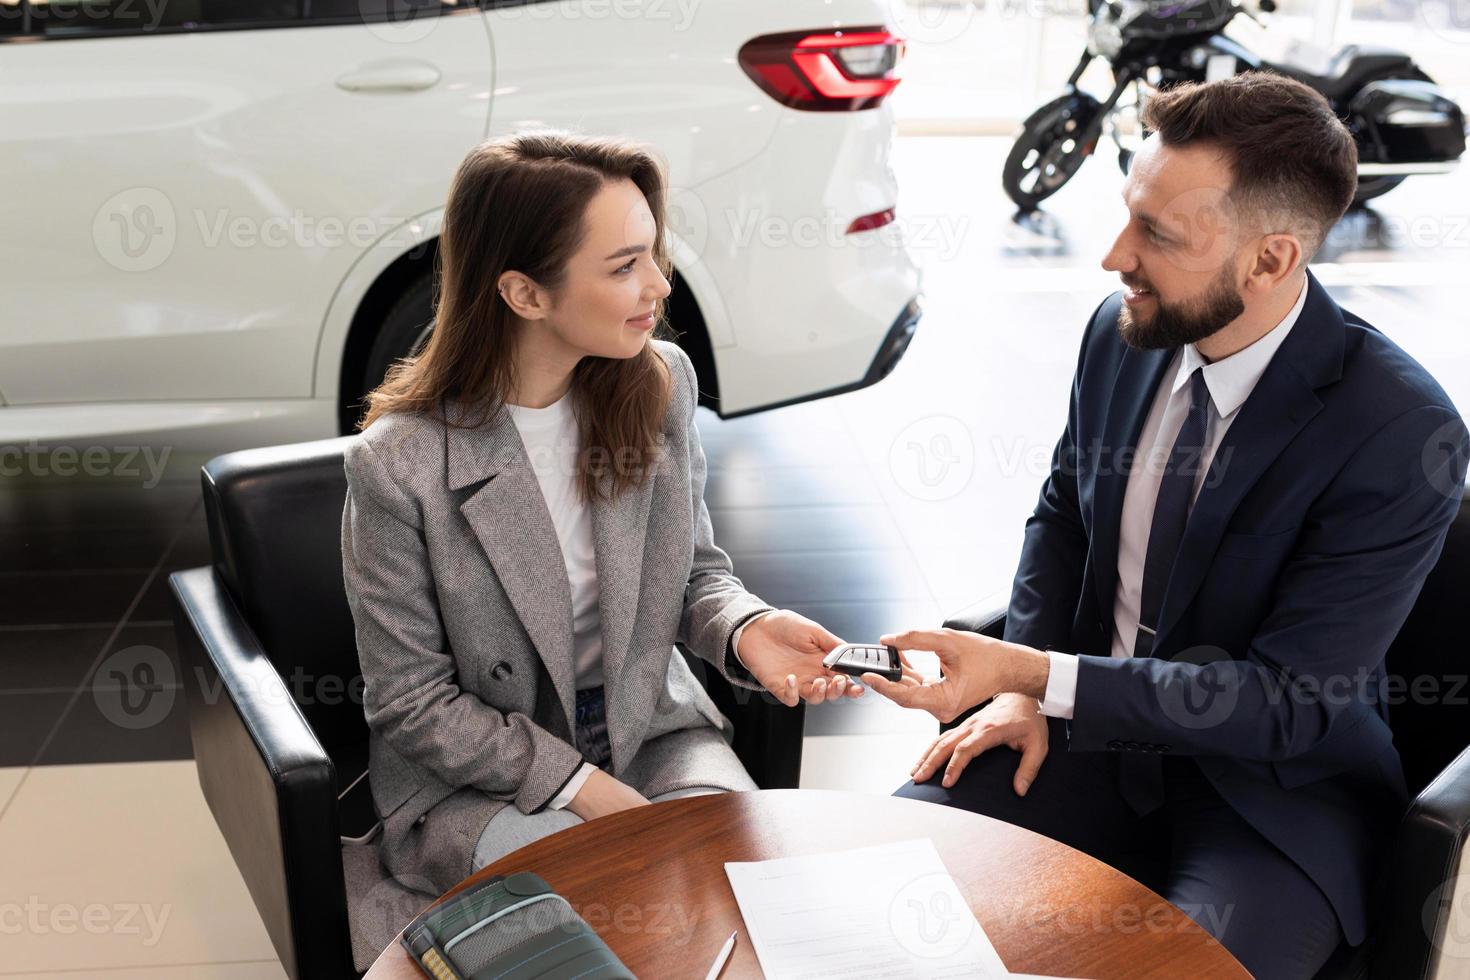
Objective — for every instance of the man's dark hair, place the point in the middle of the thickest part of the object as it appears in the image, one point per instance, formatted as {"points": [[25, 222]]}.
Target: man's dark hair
{"points": [[1294, 164]]}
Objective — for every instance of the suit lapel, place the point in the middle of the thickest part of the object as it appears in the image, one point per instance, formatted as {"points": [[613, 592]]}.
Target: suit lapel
{"points": [[507, 512], [1283, 401], [1138, 378]]}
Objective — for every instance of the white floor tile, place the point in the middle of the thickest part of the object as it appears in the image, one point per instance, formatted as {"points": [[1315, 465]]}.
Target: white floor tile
{"points": [[121, 865]]}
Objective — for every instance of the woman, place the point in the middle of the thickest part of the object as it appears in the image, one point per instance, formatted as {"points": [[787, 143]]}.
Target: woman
{"points": [[525, 536]]}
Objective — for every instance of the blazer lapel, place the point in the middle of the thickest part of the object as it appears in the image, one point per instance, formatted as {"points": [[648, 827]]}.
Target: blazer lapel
{"points": [[619, 532], [1283, 401], [507, 511], [1132, 396]]}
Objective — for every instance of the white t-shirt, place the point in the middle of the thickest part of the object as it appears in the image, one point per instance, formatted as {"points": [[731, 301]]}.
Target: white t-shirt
{"points": [[552, 442]]}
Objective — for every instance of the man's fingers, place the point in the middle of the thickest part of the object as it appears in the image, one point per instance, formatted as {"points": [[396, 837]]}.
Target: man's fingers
{"points": [[917, 640], [1033, 754], [967, 749], [935, 755], [900, 694]]}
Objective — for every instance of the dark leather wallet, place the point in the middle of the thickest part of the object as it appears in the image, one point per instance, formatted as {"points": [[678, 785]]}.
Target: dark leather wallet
{"points": [[513, 927]]}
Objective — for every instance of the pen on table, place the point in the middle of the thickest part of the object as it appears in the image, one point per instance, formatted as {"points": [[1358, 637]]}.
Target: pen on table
{"points": [[722, 958]]}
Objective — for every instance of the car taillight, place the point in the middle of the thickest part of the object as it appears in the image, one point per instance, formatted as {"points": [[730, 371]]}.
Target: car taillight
{"points": [[835, 71]]}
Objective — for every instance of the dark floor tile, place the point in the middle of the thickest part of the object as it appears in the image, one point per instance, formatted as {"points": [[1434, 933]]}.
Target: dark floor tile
{"points": [[75, 548], [30, 598], [49, 658], [154, 646], [36, 503], [136, 720], [25, 719], [192, 548], [155, 603]]}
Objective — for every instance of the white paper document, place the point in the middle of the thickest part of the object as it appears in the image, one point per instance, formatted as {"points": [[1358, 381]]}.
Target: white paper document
{"points": [[885, 911]]}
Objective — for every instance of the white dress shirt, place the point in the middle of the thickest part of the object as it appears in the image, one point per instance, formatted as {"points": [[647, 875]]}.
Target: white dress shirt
{"points": [[1230, 382], [552, 440]]}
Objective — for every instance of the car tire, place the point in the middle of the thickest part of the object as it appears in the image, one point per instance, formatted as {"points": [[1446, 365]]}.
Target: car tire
{"points": [[405, 327]]}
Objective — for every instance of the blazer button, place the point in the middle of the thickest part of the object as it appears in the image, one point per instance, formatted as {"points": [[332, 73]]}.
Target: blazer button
{"points": [[1131, 746], [422, 817], [501, 671], [1114, 745]]}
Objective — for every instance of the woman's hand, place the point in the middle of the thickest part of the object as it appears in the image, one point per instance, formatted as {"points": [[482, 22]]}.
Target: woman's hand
{"points": [[973, 668], [1012, 720], [602, 794], [784, 652]]}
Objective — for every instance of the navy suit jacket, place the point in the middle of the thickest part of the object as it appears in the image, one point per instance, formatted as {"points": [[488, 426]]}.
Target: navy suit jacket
{"points": [[1326, 506]]}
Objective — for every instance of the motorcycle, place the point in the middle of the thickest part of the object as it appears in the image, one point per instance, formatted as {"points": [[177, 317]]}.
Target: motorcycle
{"points": [[1402, 122]]}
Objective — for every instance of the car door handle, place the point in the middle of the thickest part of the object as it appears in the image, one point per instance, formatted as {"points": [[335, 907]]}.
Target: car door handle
{"points": [[390, 76]]}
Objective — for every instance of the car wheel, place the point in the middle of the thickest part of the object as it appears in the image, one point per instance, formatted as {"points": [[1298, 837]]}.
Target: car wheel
{"points": [[403, 332]]}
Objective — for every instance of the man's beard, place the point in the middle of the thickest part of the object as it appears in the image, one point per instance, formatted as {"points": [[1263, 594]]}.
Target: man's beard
{"points": [[1176, 324]]}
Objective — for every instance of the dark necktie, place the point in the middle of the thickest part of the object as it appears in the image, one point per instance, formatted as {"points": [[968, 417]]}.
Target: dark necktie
{"points": [[1141, 777]]}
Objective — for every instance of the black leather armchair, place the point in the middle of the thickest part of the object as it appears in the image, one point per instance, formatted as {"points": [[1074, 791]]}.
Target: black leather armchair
{"points": [[273, 688], [1417, 878]]}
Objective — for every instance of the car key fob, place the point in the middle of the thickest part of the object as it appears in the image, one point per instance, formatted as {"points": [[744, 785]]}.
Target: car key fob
{"points": [[856, 659]]}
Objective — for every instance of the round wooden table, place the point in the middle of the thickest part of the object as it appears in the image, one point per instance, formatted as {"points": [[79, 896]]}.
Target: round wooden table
{"points": [[652, 882]]}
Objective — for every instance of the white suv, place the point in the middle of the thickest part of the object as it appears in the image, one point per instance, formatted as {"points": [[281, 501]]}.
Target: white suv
{"points": [[219, 224]]}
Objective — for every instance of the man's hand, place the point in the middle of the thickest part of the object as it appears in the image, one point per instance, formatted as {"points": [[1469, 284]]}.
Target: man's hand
{"points": [[603, 794], [784, 652], [973, 669], [1014, 720]]}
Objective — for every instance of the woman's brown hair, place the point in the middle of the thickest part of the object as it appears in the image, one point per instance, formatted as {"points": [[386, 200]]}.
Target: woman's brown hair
{"points": [[517, 203]]}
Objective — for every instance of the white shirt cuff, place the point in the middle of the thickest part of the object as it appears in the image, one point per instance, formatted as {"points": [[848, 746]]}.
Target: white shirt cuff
{"points": [[735, 639], [572, 788], [1061, 686]]}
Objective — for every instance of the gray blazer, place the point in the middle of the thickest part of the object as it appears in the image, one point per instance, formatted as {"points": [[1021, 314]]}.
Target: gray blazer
{"points": [[464, 628]]}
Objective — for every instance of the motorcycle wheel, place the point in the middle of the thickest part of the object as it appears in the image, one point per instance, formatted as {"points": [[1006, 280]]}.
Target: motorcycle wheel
{"points": [[1048, 151]]}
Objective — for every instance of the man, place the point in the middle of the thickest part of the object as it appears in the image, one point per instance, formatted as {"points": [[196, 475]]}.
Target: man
{"points": [[1251, 488]]}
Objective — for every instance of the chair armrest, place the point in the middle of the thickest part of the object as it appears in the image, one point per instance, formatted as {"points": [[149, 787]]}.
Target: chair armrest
{"points": [[1419, 875], [986, 616], [767, 734], [268, 782]]}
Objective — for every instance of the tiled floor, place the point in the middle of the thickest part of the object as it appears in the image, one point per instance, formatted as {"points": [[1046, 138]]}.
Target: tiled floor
{"points": [[873, 511]]}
